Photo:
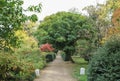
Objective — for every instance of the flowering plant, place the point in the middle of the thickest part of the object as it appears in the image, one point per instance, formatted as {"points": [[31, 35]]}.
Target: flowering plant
{"points": [[46, 47]]}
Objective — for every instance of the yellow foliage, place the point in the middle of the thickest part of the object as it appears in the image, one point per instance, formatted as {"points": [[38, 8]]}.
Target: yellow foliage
{"points": [[28, 41], [29, 24], [111, 31], [116, 21]]}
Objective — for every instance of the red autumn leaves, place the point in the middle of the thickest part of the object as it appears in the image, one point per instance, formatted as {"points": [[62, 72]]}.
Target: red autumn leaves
{"points": [[46, 47]]}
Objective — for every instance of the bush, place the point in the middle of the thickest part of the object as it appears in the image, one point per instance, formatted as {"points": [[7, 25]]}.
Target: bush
{"points": [[46, 47], [34, 57], [105, 65], [64, 56], [50, 57], [54, 56], [14, 69]]}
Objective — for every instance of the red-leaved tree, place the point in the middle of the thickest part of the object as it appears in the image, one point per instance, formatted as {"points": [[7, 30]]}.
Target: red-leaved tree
{"points": [[46, 47]]}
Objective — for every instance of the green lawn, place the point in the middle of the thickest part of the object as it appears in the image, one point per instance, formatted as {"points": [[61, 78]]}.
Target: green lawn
{"points": [[79, 63]]}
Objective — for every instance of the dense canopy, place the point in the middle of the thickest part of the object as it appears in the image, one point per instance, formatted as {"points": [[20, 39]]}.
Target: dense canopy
{"points": [[63, 29]]}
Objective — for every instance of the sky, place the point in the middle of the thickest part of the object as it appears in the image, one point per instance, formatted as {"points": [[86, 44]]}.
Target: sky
{"points": [[53, 6]]}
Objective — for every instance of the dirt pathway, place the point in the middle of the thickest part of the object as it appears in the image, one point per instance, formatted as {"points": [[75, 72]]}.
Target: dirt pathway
{"points": [[58, 70]]}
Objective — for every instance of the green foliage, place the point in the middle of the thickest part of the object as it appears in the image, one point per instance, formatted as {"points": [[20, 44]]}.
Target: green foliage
{"points": [[113, 44], [104, 66], [63, 29], [84, 48], [81, 47], [11, 19], [33, 56], [12, 68], [100, 20], [63, 55], [36, 8], [76, 73], [100, 16], [112, 5], [20, 65], [50, 57], [79, 60], [34, 18]]}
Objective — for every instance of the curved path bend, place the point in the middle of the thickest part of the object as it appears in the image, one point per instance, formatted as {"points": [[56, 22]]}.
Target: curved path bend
{"points": [[58, 70]]}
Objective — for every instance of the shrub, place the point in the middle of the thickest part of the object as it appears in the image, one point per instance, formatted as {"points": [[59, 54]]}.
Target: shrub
{"points": [[54, 55], [14, 69], [34, 57], [105, 64], [46, 48], [50, 57], [64, 57]]}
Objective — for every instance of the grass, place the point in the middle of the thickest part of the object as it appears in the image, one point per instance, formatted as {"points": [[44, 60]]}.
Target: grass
{"points": [[79, 63], [79, 60]]}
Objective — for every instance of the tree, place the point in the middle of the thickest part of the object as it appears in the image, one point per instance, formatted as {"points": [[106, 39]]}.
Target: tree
{"points": [[63, 29], [112, 10], [98, 16], [115, 30], [11, 19], [116, 17], [74, 10]]}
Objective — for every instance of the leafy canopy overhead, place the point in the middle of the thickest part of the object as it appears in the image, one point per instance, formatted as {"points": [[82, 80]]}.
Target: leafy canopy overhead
{"points": [[63, 29]]}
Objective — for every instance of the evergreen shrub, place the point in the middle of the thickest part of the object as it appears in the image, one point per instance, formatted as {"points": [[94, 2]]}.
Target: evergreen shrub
{"points": [[105, 64], [50, 57]]}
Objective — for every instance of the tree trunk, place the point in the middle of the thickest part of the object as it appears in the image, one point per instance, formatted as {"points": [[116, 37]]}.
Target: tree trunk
{"points": [[68, 56]]}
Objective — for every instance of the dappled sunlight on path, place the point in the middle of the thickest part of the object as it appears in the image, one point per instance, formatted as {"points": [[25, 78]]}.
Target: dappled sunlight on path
{"points": [[58, 70]]}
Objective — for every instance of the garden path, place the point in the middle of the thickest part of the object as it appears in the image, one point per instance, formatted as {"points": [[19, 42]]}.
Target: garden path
{"points": [[58, 70]]}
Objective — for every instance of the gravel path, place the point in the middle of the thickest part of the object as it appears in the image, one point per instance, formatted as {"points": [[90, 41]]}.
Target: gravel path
{"points": [[58, 70]]}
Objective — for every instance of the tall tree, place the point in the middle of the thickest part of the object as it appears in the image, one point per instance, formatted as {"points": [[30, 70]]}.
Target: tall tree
{"points": [[98, 17], [11, 19], [63, 29], [114, 7]]}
